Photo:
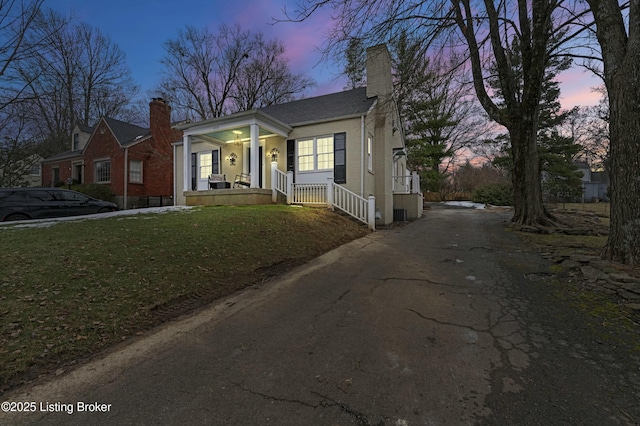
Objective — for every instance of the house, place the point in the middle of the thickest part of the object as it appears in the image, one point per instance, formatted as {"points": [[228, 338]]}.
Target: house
{"points": [[135, 162], [345, 150], [595, 185], [24, 172]]}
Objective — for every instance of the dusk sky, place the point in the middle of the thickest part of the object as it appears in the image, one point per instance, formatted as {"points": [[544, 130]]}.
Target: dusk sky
{"points": [[140, 27]]}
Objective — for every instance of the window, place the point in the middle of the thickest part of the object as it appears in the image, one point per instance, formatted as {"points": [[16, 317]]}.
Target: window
{"points": [[76, 141], [56, 176], [370, 154], [315, 154], [305, 155], [35, 170], [135, 171], [103, 171]]}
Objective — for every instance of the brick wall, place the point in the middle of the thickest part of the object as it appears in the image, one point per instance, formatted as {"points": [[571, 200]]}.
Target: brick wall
{"points": [[104, 146], [155, 151]]}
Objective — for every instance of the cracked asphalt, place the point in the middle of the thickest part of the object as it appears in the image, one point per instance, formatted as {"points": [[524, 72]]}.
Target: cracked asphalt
{"points": [[449, 320]]}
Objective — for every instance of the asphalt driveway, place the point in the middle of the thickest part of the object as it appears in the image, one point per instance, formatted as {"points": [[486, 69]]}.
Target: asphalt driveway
{"points": [[448, 320]]}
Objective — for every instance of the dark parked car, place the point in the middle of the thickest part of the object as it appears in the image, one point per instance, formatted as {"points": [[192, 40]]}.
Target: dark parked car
{"points": [[41, 203]]}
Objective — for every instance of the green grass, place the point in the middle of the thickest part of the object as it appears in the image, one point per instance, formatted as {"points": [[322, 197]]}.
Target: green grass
{"points": [[601, 209], [74, 288]]}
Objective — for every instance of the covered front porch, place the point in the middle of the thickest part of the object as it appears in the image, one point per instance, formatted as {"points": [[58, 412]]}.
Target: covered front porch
{"points": [[233, 152]]}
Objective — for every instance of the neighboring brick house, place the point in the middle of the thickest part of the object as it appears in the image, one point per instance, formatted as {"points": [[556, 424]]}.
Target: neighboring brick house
{"points": [[135, 162]]}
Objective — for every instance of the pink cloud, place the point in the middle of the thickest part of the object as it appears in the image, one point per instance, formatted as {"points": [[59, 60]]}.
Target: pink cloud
{"points": [[577, 86]]}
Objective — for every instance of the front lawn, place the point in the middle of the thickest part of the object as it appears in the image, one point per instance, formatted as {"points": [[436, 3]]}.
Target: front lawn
{"points": [[74, 288]]}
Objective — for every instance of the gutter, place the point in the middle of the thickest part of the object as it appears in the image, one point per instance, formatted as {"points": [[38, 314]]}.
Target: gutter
{"points": [[126, 182], [362, 153]]}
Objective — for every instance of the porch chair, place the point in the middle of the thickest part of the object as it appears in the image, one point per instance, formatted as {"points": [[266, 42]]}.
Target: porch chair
{"points": [[242, 180], [217, 181]]}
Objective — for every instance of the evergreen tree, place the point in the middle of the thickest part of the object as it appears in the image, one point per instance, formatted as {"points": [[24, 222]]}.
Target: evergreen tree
{"points": [[561, 180], [356, 63]]}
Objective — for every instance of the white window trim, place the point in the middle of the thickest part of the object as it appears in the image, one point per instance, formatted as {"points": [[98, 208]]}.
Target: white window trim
{"points": [[370, 153], [95, 170], [131, 179], [315, 153]]}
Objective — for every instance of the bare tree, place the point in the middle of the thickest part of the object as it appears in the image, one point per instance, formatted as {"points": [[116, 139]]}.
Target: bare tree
{"points": [[485, 29], [18, 151], [266, 79], [589, 127], [77, 76], [618, 34], [17, 23], [209, 75]]}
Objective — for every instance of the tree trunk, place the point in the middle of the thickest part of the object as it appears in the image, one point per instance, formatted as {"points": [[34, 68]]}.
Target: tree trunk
{"points": [[623, 244], [527, 189]]}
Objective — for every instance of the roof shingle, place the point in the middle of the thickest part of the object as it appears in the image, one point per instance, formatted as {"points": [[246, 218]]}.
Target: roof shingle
{"points": [[322, 108]]}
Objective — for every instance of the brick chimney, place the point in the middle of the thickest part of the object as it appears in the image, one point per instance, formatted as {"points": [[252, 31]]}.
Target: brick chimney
{"points": [[159, 118], [378, 71]]}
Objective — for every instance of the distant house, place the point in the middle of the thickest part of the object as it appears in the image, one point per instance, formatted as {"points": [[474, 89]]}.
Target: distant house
{"points": [[345, 150], [595, 184], [135, 162], [21, 173]]}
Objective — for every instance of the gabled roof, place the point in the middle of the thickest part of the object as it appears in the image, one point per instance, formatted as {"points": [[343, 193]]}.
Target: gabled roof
{"points": [[351, 103], [67, 155], [85, 129], [126, 134]]}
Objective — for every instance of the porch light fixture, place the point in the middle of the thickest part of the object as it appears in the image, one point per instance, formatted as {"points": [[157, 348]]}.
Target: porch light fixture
{"points": [[400, 153], [237, 141], [274, 154], [232, 159]]}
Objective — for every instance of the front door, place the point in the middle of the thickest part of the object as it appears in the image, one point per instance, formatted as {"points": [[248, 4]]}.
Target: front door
{"points": [[204, 169], [208, 162]]}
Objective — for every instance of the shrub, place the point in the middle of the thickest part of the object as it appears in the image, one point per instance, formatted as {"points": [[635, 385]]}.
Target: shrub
{"points": [[499, 194], [101, 192]]}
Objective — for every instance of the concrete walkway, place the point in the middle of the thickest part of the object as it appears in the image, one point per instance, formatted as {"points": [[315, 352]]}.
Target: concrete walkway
{"points": [[448, 320]]}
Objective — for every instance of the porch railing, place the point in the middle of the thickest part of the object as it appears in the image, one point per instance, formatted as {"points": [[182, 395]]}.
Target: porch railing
{"points": [[363, 209], [407, 184], [351, 203], [310, 193]]}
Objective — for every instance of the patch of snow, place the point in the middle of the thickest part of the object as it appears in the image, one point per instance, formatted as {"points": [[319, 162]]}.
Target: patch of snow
{"points": [[45, 223], [469, 204]]}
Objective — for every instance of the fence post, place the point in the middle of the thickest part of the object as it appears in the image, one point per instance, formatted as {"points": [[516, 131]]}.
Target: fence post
{"points": [[330, 193], [289, 187], [371, 213], [274, 182]]}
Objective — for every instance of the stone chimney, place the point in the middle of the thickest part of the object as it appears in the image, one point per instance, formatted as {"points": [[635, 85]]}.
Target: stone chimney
{"points": [[159, 118], [378, 71]]}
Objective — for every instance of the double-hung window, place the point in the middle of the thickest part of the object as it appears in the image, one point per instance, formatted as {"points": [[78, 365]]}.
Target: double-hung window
{"points": [[135, 171], [102, 171], [315, 154]]}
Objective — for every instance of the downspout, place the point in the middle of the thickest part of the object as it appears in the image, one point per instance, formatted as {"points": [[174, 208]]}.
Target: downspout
{"points": [[175, 175], [126, 182], [362, 154]]}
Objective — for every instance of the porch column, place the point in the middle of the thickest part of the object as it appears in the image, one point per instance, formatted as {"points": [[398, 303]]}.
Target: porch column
{"points": [[415, 182], [255, 157], [186, 163]]}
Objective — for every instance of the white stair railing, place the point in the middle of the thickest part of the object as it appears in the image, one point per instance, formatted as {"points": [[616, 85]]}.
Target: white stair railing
{"points": [[354, 205], [363, 209]]}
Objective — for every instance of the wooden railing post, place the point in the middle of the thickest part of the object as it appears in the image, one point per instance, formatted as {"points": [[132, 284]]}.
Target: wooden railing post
{"points": [[330, 193], [289, 187], [371, 214], [274, 181]]}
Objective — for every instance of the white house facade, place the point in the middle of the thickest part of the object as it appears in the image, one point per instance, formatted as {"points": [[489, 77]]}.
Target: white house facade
{"points": [[347, 145]]}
